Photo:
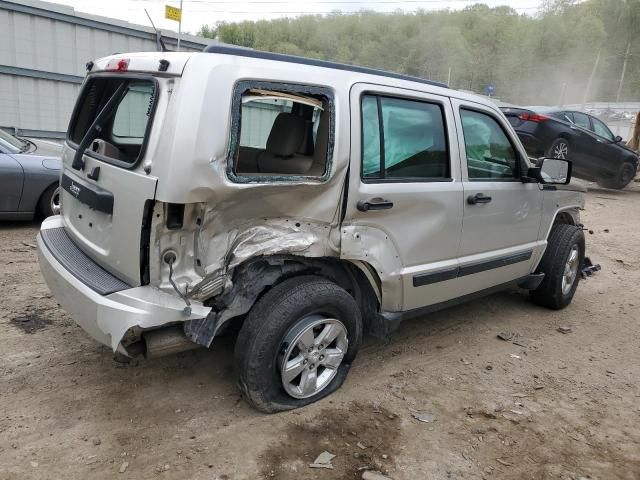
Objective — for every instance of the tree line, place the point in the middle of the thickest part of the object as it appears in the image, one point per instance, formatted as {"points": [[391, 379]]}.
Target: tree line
{"points": [[568, 52]]}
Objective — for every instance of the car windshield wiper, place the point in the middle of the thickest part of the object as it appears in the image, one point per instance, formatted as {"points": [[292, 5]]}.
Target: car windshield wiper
{"points": [[96, 127]]}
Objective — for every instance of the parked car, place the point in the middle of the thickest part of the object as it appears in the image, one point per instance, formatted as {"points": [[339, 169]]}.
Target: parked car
{"points": [[597, 154], [29, 177], [303, 201]]}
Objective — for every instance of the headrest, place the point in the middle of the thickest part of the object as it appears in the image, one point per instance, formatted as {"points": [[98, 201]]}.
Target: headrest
{"points": [[287, 134]]}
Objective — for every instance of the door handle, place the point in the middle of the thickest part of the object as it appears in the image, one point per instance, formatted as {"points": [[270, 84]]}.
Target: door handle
{"points": [[374, 204], [478, 198]]}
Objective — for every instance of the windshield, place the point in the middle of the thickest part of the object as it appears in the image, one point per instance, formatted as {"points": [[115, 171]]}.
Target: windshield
{"points": [[11, 143]]}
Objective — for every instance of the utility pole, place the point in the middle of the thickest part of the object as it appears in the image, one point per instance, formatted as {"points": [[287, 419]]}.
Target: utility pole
{"points": [[593, 73], [449, 78], [624, 70], [180, 26], [562, 93]]}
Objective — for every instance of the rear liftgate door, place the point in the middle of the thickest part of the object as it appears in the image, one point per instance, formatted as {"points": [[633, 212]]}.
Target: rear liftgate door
{"points": [[106, 193]]}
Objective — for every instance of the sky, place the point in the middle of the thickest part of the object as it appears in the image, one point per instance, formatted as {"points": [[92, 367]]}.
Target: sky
{"points": [[199, 12]]}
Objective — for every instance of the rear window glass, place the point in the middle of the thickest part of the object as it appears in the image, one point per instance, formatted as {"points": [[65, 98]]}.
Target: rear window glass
{"points": [[125, 128]]}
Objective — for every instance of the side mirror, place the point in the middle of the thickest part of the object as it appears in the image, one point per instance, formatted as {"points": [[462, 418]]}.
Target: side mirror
{"points": [[618, 139], [551, 171]]}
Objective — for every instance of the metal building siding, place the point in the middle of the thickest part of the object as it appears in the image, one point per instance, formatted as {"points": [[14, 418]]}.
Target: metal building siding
{"points": [[42, 60], [54, 46], [257, 120]]}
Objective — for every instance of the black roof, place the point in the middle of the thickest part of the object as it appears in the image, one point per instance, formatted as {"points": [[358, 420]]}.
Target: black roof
{"points": [[247, 52]]}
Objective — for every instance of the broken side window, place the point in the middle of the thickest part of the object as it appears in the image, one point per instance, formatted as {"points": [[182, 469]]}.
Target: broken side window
{"points": [[282, 133]]}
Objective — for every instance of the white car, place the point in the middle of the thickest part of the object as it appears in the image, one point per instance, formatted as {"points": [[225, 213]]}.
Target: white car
{"points": [[308, 201]]}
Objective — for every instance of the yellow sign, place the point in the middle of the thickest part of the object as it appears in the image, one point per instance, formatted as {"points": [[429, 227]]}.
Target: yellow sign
{"points": [[172, 13]]}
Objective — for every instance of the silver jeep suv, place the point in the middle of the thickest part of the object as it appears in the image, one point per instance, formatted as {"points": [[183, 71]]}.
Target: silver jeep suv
{"points": [[303, 201]]}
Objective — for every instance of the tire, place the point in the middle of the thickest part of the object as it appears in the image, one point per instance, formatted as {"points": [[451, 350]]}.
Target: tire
{"points": [[559, 149], [624, 176], [49, 203], [563, 241], [270, 333]]}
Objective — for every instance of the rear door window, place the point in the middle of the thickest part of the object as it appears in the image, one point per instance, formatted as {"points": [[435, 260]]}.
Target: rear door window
{"points": [[122, 138], [581, 120]]}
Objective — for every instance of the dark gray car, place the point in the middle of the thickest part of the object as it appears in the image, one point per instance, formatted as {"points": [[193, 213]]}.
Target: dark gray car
{"points": [[29, 177]]}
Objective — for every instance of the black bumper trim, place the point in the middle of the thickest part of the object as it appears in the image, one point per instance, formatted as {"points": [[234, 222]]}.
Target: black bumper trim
{"points": [[79, 264]]}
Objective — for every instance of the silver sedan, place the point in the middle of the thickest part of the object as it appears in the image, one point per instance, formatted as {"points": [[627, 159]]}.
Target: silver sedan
{"points": [[29, 177]]}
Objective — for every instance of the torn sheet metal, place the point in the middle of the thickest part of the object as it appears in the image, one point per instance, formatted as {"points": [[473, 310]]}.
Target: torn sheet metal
{"points": [[373, 246], [278, 237]]}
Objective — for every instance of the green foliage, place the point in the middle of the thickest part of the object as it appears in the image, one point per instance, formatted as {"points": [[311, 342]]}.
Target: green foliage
{"points": [[546, 58]]}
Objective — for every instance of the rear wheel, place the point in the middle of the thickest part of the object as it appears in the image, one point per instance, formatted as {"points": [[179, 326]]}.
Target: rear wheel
{"points": [[50, 201], [559, 149], [622, 178], [297, 344], [561, 264]]}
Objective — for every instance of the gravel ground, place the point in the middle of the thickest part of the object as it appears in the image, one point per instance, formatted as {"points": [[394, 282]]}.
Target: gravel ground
{"points": [[563, 406]]}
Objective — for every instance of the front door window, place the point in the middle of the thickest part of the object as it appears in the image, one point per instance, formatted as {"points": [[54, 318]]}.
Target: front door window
{"points": [[490, 154]]}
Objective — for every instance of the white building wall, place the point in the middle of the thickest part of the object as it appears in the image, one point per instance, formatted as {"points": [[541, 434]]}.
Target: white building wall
{"points": [[43, 52]]}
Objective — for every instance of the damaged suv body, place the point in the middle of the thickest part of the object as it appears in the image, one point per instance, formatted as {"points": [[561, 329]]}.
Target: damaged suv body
{"points": [[307, 201]]}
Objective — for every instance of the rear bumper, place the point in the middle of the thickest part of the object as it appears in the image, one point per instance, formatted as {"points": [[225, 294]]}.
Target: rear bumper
{"points": [[107, 318]]}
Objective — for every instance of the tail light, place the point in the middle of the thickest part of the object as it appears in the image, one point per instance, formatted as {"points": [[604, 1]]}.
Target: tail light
{"points": [[533, 117], [118, 65]]}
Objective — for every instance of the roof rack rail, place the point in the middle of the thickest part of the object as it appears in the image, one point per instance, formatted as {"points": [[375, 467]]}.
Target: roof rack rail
{"points": [[248, 52]]}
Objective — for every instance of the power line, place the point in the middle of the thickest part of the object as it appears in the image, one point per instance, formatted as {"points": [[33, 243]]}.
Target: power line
{"points": [[258, 2], [360, 4], [324, 12], [334, 2]]}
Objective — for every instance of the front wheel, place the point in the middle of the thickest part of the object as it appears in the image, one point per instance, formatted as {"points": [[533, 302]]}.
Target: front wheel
{"points": [[297, 344], [561, 264], [621, 179]]}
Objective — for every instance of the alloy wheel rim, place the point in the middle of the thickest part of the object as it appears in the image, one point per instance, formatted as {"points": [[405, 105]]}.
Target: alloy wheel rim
{"points": [[55, 201], [560, 151], [570, 270], [312, 355]]}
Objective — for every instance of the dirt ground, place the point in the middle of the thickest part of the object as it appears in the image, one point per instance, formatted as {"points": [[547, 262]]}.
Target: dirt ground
{"points": [[563, 406]]}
